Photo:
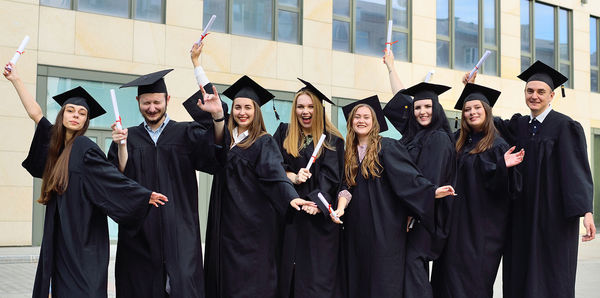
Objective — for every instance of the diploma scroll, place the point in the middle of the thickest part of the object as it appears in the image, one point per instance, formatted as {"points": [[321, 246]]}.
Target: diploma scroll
{"points": [[429, 75], [206, 28], [485, 56], [322, 199], [313, 157], [389, 35], [20, 50], [116, 110]]}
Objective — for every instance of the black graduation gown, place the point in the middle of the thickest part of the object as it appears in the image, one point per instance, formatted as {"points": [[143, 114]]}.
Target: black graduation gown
{"points": [[485, 187], [75, 246], [374, 241], [435, 156], [311, 242], [248, 200], [541, 257], [169, 241]]}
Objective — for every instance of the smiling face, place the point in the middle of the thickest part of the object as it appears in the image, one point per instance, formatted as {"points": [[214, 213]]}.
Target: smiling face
{"points": [[474, 114], [153, 106], [243, 112], [538, 96], [305, 111], [362, 122], [423, 110], [74, 117]]}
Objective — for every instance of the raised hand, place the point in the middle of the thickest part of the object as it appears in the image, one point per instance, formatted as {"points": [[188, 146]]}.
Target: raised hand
{"points": [[466, 77], [118, 134], [10, 72], [513, 159], [388, 59], [195, 53], [212, 103]]}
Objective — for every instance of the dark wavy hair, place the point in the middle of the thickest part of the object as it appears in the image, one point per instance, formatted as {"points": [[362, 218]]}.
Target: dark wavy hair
{"points": [[439, 121]]}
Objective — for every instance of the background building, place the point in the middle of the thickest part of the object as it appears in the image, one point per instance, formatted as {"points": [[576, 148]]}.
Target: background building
{"points": [[336, 44]]}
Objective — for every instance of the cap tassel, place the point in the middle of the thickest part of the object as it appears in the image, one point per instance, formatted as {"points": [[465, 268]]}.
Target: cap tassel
{"points": [[324, 121], [562, 90], [455, 122], [275, 110]]}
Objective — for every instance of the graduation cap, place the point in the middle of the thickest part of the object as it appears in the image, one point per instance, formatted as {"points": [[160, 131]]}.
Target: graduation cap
{"points": [[78, 96], [150, 83], [374, 103], [397, 110], [314, 91], [246, 87], [477, 92], [539, 71], [425, 90], [202, 117]]}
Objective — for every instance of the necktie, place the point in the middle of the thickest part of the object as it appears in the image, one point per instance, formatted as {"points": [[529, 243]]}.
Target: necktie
{"points": [[534, 126]]}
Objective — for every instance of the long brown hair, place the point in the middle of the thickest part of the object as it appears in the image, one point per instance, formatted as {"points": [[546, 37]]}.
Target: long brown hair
{"points": [[370, 166], [488, 129], [293, 142], [55, 179], [257, 127]]}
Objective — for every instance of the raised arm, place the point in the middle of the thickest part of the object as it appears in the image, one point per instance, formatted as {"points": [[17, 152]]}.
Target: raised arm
{"points": [[388, 59], [31, 106]]}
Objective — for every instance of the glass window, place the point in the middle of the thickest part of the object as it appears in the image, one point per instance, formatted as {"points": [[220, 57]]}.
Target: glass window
{"points": [[145, 10], [466, 49], [56, 3], [341, 36], [148, 10], [218, 8], [465, 30], [266, 19], [360, 26], [547, 37], [252, 18]]}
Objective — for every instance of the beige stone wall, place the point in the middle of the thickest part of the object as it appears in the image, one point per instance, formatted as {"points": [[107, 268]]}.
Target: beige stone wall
{"points": [[74, 39]]}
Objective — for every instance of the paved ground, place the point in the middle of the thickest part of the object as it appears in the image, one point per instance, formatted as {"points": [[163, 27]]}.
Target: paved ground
{"points": [[18, 264]]}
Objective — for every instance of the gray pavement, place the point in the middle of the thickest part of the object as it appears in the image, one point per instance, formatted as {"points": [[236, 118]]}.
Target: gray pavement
{"points": [[18, 265]]}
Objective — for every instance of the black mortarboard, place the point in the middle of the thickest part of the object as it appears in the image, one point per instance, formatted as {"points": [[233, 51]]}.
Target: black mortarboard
{"points": [[150, 83], [314, 91], [539, 71], [425, 90], [78, 96], [246, 87], [477, 92], [397, 110], [202, 117], [374, 103]]}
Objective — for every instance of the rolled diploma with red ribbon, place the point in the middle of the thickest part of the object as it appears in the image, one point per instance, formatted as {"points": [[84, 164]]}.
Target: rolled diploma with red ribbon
{"points": [[116, 110], [389, 35], [485, 55], [206, 28], [322, 198], [20, 50], [313, 157]]}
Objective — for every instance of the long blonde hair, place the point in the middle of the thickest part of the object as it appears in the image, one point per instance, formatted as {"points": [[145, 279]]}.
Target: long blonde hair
{"points": [[489, 131], [55, 178], [293, 141], [257, 127], [370, 166]]}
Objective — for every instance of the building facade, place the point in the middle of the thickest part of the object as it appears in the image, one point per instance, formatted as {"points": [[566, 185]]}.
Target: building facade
{"points": [[336, 44]]}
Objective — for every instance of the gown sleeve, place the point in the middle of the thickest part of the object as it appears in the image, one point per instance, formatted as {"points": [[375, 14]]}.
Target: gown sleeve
{"points": [[121, 198], [38, 151], [274, 181], [208, 156], [575, 176], [407, 183], [279, 137], [508, 128], [437, 158]]}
